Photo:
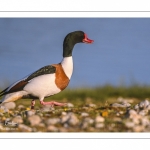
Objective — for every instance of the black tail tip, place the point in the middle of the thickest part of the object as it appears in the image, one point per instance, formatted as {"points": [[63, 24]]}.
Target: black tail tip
{"points": [[0, 102]]}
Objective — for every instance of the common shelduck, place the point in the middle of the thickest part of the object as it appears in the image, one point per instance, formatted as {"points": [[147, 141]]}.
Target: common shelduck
{"points": [[48, 80]]}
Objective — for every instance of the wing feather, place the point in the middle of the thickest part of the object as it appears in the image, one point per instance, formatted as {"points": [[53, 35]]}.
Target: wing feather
{"points": [[19, 85]]}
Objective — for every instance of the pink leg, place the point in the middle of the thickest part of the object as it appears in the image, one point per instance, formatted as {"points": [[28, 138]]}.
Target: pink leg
{"points": [[53, 103], [32, 104]]}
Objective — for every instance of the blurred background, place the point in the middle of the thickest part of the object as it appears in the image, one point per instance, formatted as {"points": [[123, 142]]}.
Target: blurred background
{"points": [[118, 56]]}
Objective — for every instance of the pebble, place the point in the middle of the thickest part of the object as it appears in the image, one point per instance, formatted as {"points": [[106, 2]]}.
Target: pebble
{"points": [[34, 120], [47, 108], [144, 104], [73, 120], [117, 119], [129, 124], [85, 108], [70, 105], [10, 105], [70, 118], [66, 125], [3, 109], [65, 118], [136, 120], [99, 119], [84, 125], [52, 128], [30, 113], [21, 107], [118, 105], [136, 107], [126, 104], [41, 125], [132, 113], [143, 112], [145, 121], [64, 113], [52, 121], [148, 107], [89, 120], [92, 105], [138, 128], [17, 119], [63, 129], [84, 114], [99, 125], [1, 127], [24, 128], [86, 122]]}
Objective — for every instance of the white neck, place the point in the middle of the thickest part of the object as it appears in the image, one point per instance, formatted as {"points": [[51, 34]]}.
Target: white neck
{"points": [[67, 64]]}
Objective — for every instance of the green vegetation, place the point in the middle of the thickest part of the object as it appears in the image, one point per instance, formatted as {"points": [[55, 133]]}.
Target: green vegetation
{"points": [[98, 95], [88, 104], [105, 92]]}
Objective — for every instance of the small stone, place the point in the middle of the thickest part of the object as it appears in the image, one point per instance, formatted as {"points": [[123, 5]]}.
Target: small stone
{"points": [[121, 112], [89, 120], [34, 120], [138, 128], [24, 128], [64, 113], [99, 119], [148, 107], [70, 118], [136, 107], [41, 125], [145, 121], [84, 125], [21, 107], [47, 108], [99, 125], [3, 109], [129, 124], [17, 119], [85, 108], [126, 104], [1, 127], [144, 104], [52, 128], [117, 114], [66, 125], [136, 120], [63, 129], [84, 114], [30, 112], [9, 105], [53, 121], [65, 118], [86, 122], [117, 105], [73, 120], [70, 105], [143, 112], [117, 119], [132, 113], [92, 105], [1, 114]]}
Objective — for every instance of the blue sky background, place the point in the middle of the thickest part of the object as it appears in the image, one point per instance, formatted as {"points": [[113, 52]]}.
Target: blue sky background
{"points": [[119, 54]]}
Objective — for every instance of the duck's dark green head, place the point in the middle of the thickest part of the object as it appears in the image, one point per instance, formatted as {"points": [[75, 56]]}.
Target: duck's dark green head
{"points": [[73, 38]]}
